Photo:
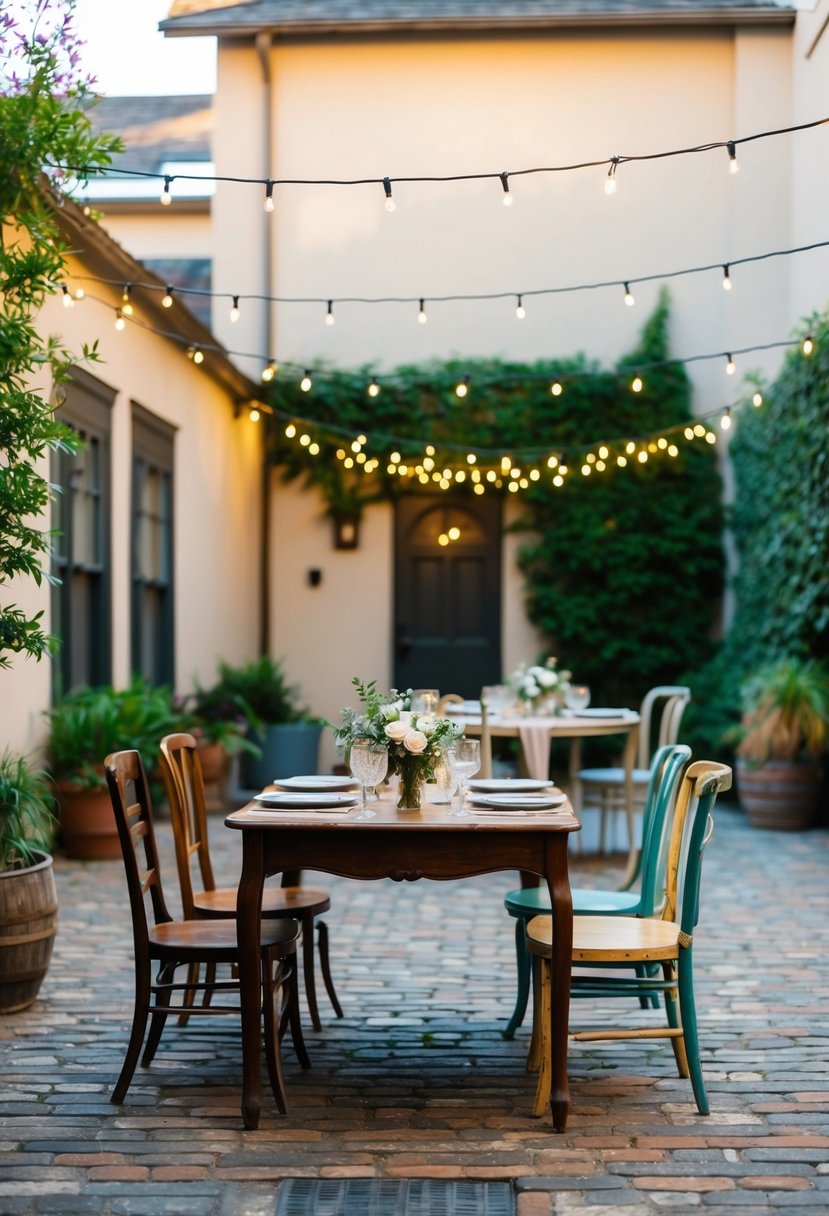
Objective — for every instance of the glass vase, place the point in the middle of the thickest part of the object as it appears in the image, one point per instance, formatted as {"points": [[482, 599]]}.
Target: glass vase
{"points": [[410, 790]]}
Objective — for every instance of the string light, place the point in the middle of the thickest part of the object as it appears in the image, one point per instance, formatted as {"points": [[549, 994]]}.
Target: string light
{"points": [[757, 399], [166, 196], [374, 389], [808, 345], [391, 205], [421, 313], [126, 303], [556, 388], [68, 301], [726, 278], [254, 415], [329, 315], [520, 310], [733, 164], [234, 310], [725, 421], [507, 199], [462, 387], [269, 203], [167, 300], [198, 356], [306, 383], [610, 180], [730, 365], [629, 299], [637, 384], [269, 371], [79, 293], [119, 319]]}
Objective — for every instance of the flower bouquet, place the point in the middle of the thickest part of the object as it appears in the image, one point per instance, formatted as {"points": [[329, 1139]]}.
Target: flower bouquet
{"points": [[539, 683], [416, 742]]}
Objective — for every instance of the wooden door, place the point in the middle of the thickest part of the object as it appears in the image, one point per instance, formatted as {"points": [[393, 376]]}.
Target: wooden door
{"points": [[448, 593]]}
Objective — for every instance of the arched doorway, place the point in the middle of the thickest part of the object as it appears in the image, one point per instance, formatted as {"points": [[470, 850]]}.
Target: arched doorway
{"points": [[447, 593]]}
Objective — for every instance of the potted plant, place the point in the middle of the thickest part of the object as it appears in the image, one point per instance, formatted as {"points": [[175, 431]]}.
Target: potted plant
{"points": [[28, 899], [84, 727], [220, 723], [283, 732], [782, 739]]}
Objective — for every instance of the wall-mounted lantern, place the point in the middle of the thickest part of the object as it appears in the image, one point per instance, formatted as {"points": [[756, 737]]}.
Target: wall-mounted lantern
{"points": [[346, 530]]}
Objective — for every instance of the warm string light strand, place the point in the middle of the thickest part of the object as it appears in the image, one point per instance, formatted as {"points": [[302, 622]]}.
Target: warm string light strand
{"points": [[328, 303], [387, 182], [483, 468]]}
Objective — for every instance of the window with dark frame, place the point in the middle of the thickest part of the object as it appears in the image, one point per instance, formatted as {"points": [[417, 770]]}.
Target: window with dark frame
{"points": [[153, 653], [81, 548]]}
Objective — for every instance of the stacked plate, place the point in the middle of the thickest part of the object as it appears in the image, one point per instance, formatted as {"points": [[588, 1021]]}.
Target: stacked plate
{"points": [[494, 796], [312, 793]]}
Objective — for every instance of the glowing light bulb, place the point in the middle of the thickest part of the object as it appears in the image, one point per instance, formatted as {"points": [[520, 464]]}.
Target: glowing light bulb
{"points": [[757, 399], [733, 165], [269, 371], [306, 383], [390, 203], [808, 345], [421, 314], [610, 180], [68, 302], [725, 421], [636, 384], [167, 300], [329, 316], [629, 297], [507, 199], [462, 388], [269, 203], [119, 319], [234, 311], [374, 389], [166, 197], [79, 293], [198, 356], [126, 304], [730, 366], [520, 310], [726, 278], [556, 388], [254, 415]]}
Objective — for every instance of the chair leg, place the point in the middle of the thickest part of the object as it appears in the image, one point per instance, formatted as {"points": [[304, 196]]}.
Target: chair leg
{"points": [[688, 1013], [291, 1011], [308, 969], [158, 1018], [534, 1049], [543, 1007], [522, 967], [140, 1014], [325, 967], [674, 1020], [273, 1055], [189, 993]]}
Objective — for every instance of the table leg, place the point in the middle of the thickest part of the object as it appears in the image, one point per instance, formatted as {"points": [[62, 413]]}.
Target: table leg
{"points": [[249, 939], [575, 790], [561, 963], [629, 762]]}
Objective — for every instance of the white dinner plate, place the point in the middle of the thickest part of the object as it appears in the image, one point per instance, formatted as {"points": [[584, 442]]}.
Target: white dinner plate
{"points": [[506, 785], [322, 783], [462, 707], [600, 713], [519, 802], [277, 799]]}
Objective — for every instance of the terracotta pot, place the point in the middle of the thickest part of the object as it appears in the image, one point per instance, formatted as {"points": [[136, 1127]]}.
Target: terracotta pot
{"points": [[779, 794], [87, 823], [213, 758], [28, 923]]}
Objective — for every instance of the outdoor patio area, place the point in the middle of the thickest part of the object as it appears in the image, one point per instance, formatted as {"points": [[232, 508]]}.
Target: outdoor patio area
{"points": [[416, 1082]]}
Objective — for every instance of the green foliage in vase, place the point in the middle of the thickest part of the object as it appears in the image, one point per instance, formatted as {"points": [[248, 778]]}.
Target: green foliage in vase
{"points": [[43, 125]]}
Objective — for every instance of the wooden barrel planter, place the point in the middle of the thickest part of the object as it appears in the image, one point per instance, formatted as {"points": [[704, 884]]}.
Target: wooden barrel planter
{"points": [[778, 794], [28, 923]]}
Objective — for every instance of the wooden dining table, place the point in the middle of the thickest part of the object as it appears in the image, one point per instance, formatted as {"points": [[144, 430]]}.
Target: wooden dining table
{"points": [[405, 846]]}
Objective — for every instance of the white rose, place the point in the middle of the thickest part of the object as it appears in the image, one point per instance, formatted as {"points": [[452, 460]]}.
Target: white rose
{"points": [[397, 731], [415, 742]]}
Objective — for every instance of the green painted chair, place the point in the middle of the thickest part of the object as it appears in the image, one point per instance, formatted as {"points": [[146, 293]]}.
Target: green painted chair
{"points": [[660, 801], [609, 946]]}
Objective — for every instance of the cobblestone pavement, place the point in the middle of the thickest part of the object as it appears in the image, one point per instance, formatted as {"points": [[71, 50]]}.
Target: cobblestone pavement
{"points": [[416, 1080]]}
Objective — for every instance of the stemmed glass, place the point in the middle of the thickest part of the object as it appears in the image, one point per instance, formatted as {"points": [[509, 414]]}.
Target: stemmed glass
{"points": [[446, 781], [369, 763], [425, 702], [463, 759], [576, 697]]}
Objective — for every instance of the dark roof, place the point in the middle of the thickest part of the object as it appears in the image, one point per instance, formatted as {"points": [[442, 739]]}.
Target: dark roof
{"points": [[157, 129], [309, 17]]}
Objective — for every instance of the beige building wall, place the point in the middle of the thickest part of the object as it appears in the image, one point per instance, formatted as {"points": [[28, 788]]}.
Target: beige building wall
{"points": [[217, 480], [182, 234]]}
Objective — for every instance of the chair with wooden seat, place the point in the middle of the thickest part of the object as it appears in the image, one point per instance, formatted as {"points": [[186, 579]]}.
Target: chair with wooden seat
{"points": [[608, 945], [660, 717], [641, 895], [201, 898], [189, 944], [452, 698]]}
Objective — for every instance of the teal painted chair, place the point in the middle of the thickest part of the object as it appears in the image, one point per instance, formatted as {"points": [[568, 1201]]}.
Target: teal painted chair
{"points": [[660, 801], [611, 945]]}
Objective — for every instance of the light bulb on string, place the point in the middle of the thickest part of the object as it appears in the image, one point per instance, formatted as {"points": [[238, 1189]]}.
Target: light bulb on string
{"points": [[730, 365], [198, 356], [630, 300], [556, 388], [68, 301], [462, 387], [254, 415], [507, 199], [329, 315], [610, 180], [269, 371], [637, 384], [166, 196], [79, 293], [126, 303], [733, 163], [269, 203], [726, 278], [757, 399], [520, 310], [391, 205], [306, 383], [234, 310], [119, 319], [725, 421], [373, 389], [167, 299], [421, 313], [808, 345]]}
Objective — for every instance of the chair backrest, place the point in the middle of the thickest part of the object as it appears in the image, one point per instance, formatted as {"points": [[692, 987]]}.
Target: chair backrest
{"points": [[183, 780], [667, 767], [132, 807], [692, 828], [452, 698], [668, 701]]}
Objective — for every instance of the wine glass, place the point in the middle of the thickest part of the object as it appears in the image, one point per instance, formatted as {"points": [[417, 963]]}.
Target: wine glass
{"points": [[425, 702], [464, 760], [369, 763], [576, 697], [446, 781]]}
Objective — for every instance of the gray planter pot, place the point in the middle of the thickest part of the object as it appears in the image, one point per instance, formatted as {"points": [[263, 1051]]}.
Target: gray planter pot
{"points": [[288, 750]]}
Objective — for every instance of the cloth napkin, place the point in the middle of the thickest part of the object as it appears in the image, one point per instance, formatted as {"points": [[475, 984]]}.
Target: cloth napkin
{"points": [[535, 744]]}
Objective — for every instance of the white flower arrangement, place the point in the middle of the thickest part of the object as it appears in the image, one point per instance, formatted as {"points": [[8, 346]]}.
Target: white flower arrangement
{"points": [[537, 682]]}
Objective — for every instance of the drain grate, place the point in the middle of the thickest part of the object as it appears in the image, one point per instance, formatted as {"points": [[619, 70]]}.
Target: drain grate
{"points": [[383, 1197]]}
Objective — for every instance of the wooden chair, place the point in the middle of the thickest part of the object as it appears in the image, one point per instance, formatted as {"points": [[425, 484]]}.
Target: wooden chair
{"points": [[665, 774], [665, 940], [175, 944], [452, 698], [201, 898], [604, 788]]}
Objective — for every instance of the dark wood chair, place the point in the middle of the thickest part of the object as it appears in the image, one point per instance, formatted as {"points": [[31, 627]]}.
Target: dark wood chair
{"points": [[202, 899], [189, 944]]}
